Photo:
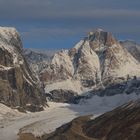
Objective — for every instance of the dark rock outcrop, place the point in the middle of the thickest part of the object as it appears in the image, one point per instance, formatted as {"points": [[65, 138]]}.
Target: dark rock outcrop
{"points": [[64, 96]]}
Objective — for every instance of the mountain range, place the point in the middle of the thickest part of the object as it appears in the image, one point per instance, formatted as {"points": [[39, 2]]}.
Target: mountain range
{"points": [[95, 76], [99, 62]]}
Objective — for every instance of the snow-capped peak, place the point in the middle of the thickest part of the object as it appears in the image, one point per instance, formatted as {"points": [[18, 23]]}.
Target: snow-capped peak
{"points": [[94, 60]]}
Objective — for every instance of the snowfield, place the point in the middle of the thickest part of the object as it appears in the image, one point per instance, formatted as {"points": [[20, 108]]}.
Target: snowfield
{"points": [[39, 123]]}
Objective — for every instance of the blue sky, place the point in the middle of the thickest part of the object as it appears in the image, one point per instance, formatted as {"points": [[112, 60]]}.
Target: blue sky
{"points": [[55, 24]]}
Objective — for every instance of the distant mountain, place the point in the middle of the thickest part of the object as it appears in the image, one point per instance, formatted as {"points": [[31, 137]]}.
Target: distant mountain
{"points": [[35, 55], [19, 88], [38, 59], [120, 124], [132, 47]]}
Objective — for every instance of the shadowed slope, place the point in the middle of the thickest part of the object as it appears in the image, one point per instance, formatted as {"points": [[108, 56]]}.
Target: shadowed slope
{"points": [[123, 123]]}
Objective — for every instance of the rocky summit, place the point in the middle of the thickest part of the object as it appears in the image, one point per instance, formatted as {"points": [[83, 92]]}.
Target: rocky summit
{"points": [[19, 88]]}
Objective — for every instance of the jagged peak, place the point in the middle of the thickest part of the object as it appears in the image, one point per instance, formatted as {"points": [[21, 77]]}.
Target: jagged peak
{"points": [[99, 36], [96, 39], [100, 32]]}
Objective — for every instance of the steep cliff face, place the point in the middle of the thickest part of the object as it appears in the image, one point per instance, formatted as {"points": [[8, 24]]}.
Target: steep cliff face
{"points": [[87, 66], [95, 61], [18, 86]]}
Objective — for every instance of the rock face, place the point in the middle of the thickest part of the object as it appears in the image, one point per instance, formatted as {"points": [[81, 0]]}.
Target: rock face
{"points": [[94, 61], [119, 124], [18, 86]]}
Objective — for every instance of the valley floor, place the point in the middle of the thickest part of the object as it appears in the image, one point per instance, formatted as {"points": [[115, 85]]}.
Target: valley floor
{"points": [[39, 123]]}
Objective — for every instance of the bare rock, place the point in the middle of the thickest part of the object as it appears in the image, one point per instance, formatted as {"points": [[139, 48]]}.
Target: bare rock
{"points": [[18, 86]]}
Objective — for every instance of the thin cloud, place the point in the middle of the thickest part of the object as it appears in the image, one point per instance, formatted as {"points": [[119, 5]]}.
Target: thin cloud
{"points": [[52, 9], [51, 32]]}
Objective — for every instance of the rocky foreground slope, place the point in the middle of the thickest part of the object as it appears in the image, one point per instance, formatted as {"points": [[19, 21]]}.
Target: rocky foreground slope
{"points": [[18, 86], [123, 123]]}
